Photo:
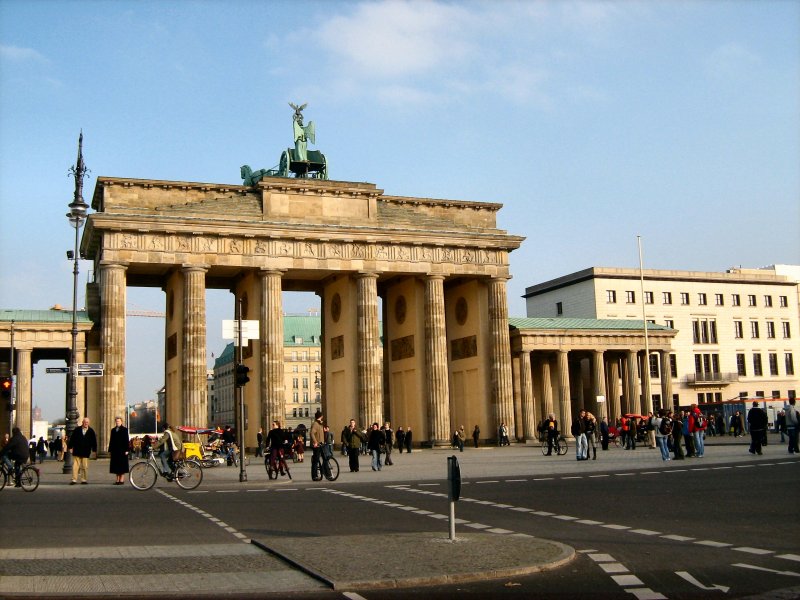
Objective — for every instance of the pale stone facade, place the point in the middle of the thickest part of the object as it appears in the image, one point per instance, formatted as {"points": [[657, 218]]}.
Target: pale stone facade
{"points": [[738, 331], [440, 266]]}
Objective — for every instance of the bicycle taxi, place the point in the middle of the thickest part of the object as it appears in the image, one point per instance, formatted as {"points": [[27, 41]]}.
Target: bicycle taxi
{"points": [[200, 448]]}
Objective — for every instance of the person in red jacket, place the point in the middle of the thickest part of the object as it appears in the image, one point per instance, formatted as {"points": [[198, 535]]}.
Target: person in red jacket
{"points": [[697, 427]]}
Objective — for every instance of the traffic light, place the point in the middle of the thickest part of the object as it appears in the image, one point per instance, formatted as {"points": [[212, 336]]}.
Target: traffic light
{"points": [[6, 385], [241, 375]]}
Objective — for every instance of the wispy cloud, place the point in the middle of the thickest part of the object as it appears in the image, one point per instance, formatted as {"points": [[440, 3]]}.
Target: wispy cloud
{"points": [[17, 54], [731, 60]]}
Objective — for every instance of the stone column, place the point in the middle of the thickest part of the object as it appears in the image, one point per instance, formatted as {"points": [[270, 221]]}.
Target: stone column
{"points": [[24, 398], [647, 394], [500, 357], [599, 383], [529, 420], [564, 399], [370, 391], [273, 392], [113, 282], [614, 408], [436, 371], [631, 399], [666, 380], [547, 389], [193, 361]]}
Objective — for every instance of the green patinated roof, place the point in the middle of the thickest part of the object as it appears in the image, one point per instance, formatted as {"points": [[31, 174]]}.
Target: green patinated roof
{"points": [[572, 323], [42, 316], [294, 328]]}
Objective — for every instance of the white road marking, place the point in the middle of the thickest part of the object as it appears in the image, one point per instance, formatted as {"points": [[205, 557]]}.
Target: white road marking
{"points": [[677, 538], [789, 557], [613, 567], [713, 544], [625, 580], [646, 594], [691, 579], [645, 532], [601, 557], [750, 550], [755, 568], [353, 596]]}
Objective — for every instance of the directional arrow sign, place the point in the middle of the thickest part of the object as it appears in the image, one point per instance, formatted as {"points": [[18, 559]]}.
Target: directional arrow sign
{"points": [[91, 366], [91, 373], [693, 581], [57, 369]]}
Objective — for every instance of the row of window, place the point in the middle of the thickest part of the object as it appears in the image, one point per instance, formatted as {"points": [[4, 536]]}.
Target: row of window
{"points": [[296, 397], [295, 356], [704, 397], [300, 412], [772, 361], [702, 299], [755, 331]]}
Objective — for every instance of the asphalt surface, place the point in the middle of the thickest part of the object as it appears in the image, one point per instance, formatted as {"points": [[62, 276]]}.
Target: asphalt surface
{"points": [[372, 530]]}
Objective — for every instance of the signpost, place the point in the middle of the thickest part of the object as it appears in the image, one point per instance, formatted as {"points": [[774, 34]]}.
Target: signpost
{"points": [[83, 369]]}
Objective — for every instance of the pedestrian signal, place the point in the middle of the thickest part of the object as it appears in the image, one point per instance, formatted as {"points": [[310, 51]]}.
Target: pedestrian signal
{"points": [[241, 375]]}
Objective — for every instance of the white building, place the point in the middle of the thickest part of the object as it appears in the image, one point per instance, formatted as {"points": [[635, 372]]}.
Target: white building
{"points": [[738, 331]]}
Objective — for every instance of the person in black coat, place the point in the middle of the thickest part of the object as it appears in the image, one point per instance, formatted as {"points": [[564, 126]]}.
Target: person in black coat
{"points": [[408, 439], [757, 419], [82, 443], [118, 448], [16, 450]]}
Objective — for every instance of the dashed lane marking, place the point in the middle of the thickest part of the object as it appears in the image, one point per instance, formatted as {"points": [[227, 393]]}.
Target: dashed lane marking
{"points": [[750, 550], [238, 535]]}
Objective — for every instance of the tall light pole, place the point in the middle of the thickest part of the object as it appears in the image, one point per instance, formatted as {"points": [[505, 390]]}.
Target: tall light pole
{"points": [[77, 217]]}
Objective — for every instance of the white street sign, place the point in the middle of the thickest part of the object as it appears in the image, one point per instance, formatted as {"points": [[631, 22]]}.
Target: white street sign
{"points": [[230, 330]]}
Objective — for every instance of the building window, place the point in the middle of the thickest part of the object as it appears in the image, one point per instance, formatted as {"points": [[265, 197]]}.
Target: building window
{"points": [[559, 308], [743, 395], [294, 413], [630, 297], [767, 300], [788, 361], [666, 297], [757, 370], [305, 383], [770, 329], [295, 383], [741, 365], [776, 394], [719, 300], [706, 367], [294, 355], [783, 301], [754, 329], [306, 411], [702, 300], [294, 369], [791, 394], [673, 366], [669, 323], [654, 371], [736, 300], [787, 331], [738, 331], [751, 299], [773, 363], [685, 298], [648, 297], [305, 397], [704, 331], [611, 296], [295, 397]]}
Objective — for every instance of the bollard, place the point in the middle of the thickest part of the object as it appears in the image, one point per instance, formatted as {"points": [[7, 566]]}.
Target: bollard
{"points": [[453, 491]]}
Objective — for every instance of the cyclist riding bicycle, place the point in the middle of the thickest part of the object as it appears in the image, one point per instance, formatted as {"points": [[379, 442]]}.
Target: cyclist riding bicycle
{"points": [[277, 444], [16, 450], [170, 445]]}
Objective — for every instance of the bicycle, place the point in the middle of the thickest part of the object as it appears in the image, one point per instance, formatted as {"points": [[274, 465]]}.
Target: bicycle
{"points": [[275, 466], [188, 474], [560, 446], [328, 464], [28, 476]]}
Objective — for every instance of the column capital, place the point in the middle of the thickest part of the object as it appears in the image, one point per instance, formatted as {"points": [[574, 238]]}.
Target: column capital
{"points": [[366, 275], [264, 272], [194, 268], [113, 264], [434, 277], [500, 278]]}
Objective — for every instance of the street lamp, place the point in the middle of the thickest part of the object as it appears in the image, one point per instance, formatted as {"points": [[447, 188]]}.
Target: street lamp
{"points": [[77, 217]]}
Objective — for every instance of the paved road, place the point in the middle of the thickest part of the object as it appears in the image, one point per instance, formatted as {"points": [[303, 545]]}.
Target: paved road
{"points": [[640, 526]]}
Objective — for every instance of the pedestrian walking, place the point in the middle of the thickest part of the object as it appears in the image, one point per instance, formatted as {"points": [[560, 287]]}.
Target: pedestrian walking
{"points": [[591, 434], [317, 436], [387, 432], [376, 443], [757, 420], [697, 427], [41, 449], [260, 442], [354, 439], [578, 431], [605, 434], [476, 435], [551, 429], [409, 439], [792, 426], [401, 439], [118, 449], [662, 425], [82, 444]]}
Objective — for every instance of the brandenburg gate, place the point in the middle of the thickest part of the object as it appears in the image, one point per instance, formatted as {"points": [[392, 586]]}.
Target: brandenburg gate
{"points": [[436, 357]]}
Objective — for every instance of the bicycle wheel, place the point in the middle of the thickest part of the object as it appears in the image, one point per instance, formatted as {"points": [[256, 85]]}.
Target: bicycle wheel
{"points": [[544, 447], [330, 467], [562, 447], [3, 478], [29, 478], [143, 476], [286, 468], [188, 474], [271, 472]]}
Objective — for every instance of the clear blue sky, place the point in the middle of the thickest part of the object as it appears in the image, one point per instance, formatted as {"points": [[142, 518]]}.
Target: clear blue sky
{"points": [[591, 122]]}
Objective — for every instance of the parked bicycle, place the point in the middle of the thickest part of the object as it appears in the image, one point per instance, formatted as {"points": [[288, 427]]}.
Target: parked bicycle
{"points": [[28, 476], [188, 474], [328, 464], [560, 445]]}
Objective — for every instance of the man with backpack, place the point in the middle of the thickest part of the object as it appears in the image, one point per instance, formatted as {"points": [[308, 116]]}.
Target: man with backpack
{"points": [[662, 426]]}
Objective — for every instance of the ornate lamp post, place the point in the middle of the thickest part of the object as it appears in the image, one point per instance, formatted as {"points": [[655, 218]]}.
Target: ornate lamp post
{"points": [[77, 217]]}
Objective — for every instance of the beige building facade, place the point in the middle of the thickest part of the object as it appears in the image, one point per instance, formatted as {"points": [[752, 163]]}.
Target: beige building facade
{"points": [[439, 266], [738, 332]]}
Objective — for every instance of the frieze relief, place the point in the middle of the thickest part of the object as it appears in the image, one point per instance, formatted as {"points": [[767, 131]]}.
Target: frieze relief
{"points": [[350, 250]]}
